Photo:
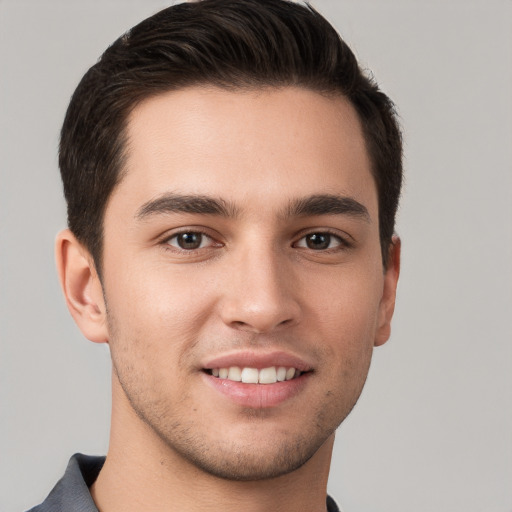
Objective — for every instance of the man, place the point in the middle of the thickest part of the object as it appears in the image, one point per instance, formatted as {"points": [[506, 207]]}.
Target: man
{"points": [[232, 180]]}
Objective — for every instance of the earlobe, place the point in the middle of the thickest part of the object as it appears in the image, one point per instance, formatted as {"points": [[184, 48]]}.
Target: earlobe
{"points": [[387, 305], [81, 286]]}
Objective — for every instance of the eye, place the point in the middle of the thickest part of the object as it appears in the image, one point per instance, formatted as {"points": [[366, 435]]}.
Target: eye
{"points": [[190, 240], [320, 241]]}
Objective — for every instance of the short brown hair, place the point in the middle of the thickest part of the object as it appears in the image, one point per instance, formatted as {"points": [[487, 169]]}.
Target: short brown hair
{"points": [[226, 43]]}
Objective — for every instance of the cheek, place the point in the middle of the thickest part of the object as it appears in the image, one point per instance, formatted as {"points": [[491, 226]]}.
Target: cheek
{"points": [[153, 315], [346, 314], [346, 307], [157, 292]]}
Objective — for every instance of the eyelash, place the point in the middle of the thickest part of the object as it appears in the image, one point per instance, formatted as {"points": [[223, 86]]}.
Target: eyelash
{"points": [[166, 241], [342, 242]]}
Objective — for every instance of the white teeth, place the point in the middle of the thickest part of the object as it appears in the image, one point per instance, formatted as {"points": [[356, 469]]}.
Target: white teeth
{"points": [[235, 373], [269, 375], [250, 375]]}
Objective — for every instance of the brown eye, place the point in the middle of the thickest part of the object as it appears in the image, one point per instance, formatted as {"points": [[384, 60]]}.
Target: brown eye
{"points": [[189, 241], [320, 241]]}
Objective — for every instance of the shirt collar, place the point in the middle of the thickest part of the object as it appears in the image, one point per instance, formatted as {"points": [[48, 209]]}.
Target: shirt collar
{"points": [[71, 493]]}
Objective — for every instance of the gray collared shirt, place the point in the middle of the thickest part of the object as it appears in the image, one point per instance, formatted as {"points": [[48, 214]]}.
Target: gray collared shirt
{"points": [[71, 493]]}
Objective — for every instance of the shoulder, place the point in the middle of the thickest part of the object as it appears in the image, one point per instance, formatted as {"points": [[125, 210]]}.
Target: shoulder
{"points": [[332, 505], [71, 493]]}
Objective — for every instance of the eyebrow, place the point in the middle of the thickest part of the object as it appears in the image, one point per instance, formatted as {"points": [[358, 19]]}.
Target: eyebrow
{"points": [[176, 203], [327, 204], [315, 205]]}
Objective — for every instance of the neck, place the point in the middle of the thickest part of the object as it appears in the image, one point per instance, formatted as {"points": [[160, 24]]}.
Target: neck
{"points": [[142, 472]]}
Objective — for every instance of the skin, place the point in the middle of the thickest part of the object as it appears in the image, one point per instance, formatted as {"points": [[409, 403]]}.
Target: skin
{"points": [[259, 282]]}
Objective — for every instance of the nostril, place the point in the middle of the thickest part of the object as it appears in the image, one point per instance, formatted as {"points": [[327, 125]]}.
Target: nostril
{"points": [[261, 314], [262, 324]]}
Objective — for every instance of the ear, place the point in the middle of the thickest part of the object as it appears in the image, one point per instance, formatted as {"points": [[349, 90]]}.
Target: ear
{"points": [[387, 303], [81, 286]]}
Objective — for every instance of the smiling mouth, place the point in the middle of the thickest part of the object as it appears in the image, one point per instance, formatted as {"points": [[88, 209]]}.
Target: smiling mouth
{"points": [[247, 375]]}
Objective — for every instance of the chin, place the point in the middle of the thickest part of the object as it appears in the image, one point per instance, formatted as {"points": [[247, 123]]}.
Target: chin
{"points": [[251, 462], [259, 452]]}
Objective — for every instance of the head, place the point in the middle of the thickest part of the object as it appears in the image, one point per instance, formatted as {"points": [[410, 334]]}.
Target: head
{"points": [[233, 178], [235, 45]]}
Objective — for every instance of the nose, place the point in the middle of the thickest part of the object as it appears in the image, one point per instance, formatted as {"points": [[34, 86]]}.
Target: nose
{"points": [[261, 294]]}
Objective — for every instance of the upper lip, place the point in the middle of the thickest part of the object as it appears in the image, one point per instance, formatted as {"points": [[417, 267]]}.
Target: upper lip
{"points": [[259, 360]]}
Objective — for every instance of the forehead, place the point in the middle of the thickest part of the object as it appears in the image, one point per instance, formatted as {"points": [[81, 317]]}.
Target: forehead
{"points": [[269, 143]]}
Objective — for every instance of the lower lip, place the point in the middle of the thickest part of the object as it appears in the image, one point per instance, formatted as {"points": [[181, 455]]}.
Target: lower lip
{"points": [[258, 396]]}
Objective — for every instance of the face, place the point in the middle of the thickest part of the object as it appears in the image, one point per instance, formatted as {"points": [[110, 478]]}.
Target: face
{"points": [[243, 278]]}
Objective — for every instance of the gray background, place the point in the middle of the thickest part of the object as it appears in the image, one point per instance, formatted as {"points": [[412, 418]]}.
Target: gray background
{"points": [[432, 431]]}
